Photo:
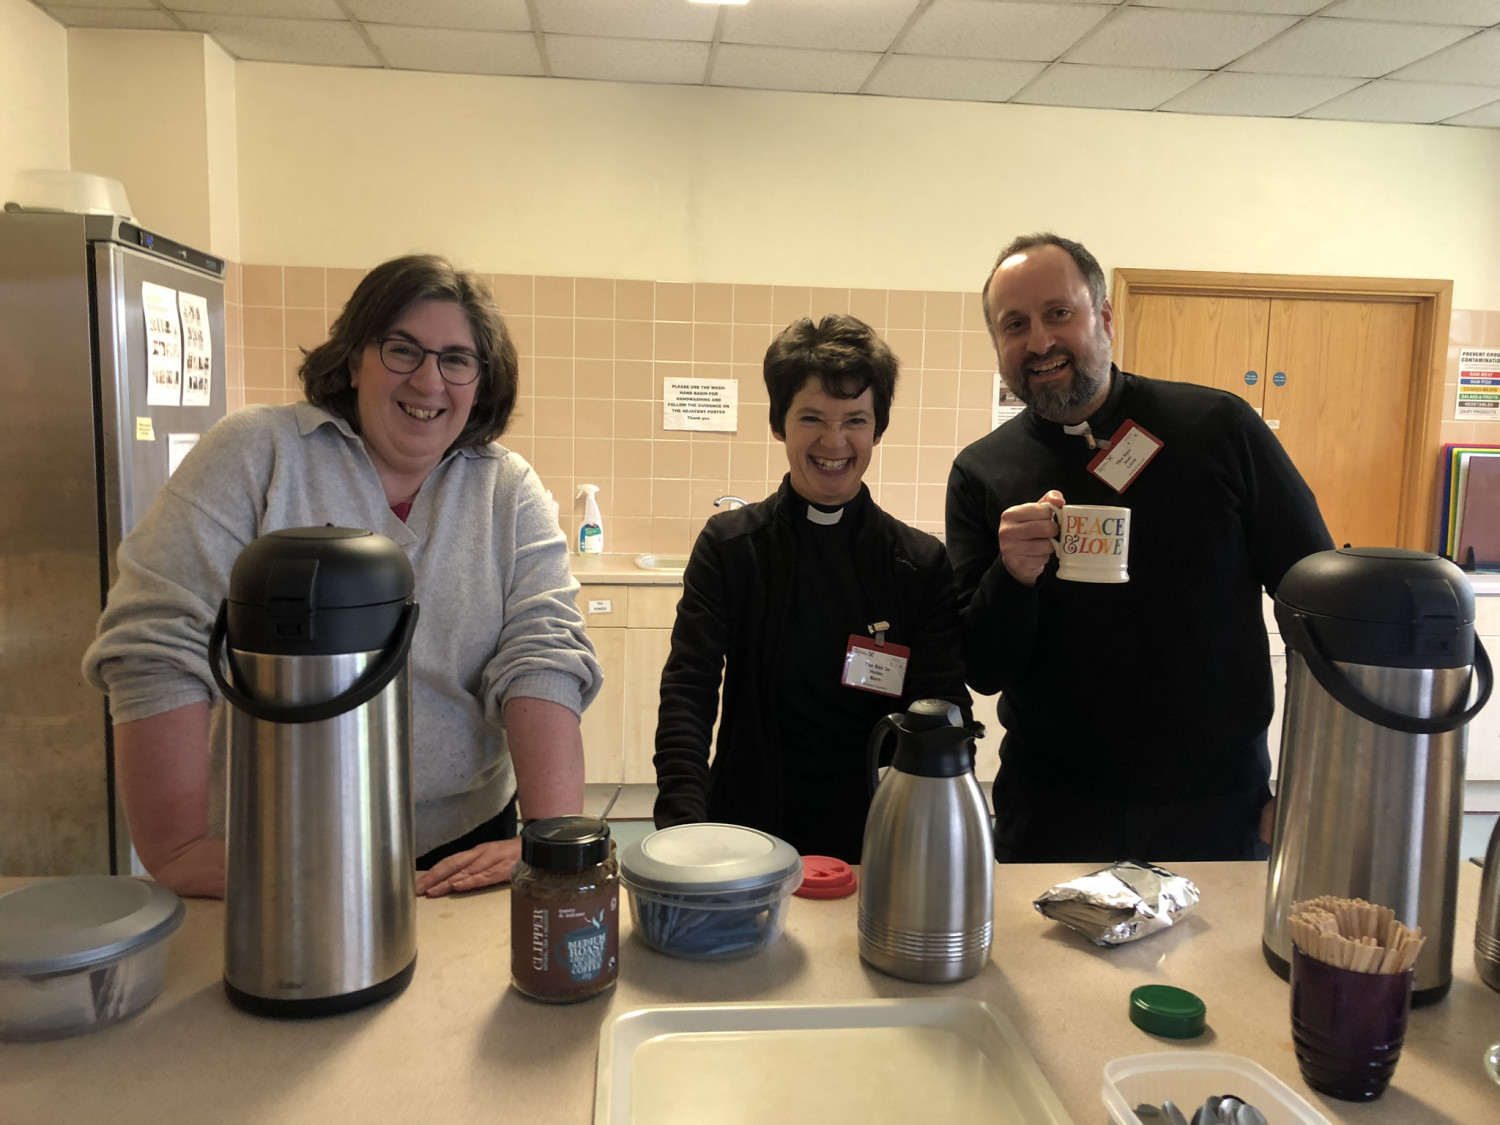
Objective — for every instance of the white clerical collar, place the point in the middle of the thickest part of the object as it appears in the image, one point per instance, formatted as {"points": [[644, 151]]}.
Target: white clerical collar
{"points": [[827, 519]]}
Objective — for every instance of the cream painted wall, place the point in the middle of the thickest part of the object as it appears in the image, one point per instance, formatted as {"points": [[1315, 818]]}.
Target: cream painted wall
{"points": [[222, 140], [346, 167], [33, 93], [139, 114]]}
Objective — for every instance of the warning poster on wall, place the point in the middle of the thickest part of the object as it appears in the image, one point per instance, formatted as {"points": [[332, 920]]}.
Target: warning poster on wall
{"points": [[700, 404], [1478, 383]]}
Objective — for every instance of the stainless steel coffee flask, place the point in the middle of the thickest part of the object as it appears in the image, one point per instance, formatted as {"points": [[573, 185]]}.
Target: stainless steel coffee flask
{"points": [[1487, 927], [927, 879], [314, 639], [1382, 660]]}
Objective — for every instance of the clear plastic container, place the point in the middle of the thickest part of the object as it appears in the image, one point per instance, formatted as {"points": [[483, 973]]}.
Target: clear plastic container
{"points": [[81, 952], [1189, 1078], [709, 892]]}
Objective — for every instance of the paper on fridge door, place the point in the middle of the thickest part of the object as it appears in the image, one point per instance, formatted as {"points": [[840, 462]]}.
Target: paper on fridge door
{"points": [[197, 350], [163, 345]]}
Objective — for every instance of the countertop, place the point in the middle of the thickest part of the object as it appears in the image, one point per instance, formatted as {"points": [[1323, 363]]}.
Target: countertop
{"points": [[461, 1046], [618, 570]]}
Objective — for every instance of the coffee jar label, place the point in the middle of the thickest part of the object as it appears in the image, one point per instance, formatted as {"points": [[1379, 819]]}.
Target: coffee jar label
{"points": [[565, 950]]}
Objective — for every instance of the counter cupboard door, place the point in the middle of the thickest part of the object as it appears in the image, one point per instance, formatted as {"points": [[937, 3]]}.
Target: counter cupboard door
{"points": [[1350, 382], [604, 613]]}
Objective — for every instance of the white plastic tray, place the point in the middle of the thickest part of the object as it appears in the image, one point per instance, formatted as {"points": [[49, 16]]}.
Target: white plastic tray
{"points": [[953, 1060], [1189, 1078]]}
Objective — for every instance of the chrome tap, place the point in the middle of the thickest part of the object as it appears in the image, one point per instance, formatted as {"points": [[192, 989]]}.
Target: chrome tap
{"points": [[733, 502]]}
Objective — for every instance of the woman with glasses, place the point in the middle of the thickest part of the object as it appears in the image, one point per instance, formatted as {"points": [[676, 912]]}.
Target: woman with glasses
{"points": [[405, 402]]}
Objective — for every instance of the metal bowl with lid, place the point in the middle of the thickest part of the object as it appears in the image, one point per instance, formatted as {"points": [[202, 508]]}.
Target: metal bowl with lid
{"points": [[709, 892], [81, 952]]}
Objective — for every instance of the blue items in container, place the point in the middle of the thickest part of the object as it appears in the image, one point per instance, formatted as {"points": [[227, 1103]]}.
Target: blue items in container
{"points": [[709, 891]]}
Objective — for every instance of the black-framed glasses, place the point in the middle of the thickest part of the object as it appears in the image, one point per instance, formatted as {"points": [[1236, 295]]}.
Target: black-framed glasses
{"points": [[402, 357]]}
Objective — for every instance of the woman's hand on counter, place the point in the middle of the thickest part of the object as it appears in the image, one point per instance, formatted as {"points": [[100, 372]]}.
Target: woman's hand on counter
{"points": [[483, 866]]}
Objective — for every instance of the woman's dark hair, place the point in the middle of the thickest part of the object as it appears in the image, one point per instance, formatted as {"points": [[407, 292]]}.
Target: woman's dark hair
{"points": [[386, 292], [846, 356]]}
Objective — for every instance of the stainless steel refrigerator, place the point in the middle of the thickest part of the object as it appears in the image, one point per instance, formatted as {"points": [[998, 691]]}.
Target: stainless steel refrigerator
{"points": [[95, 315]]}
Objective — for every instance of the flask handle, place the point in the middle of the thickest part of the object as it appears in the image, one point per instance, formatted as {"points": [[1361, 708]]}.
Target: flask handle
{"points": [[877, 742], [1336, 684], [371, 682]]}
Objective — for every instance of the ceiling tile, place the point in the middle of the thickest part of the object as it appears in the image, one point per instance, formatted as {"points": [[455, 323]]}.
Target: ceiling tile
{"points": [[1106, 87], [1476, 60], [1273, 7], [152, 19], [1485, 115], [964, 80], [990, 29], [1348, 48], [627, 60], [783, 68], [1474, 13], [457, 52], [637, 19], [319, 42], [286, 9], [1416, 102], [487, 15], [1153, 37], [835, 24], [1258, 95]]}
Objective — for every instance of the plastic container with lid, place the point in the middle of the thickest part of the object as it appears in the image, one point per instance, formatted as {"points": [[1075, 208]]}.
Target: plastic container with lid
{"points": [[81, 952], [565, 910], [709, 891]]}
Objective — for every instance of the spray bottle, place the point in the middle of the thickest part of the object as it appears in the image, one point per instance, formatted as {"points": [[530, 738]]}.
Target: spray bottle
{"points": [[591, 532]]}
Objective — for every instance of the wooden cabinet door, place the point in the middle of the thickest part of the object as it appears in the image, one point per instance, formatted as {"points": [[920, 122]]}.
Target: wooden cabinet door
{"points": [[1213, 341], [1338, 394], [603, 751]]}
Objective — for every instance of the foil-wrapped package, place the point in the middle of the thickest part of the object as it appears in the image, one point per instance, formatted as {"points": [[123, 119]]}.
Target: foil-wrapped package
{"points": [[1120, 903]]}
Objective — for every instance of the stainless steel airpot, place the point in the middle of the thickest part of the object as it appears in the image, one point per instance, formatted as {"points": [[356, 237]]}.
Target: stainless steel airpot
{"points": [[1384, 672], [311, 650]]}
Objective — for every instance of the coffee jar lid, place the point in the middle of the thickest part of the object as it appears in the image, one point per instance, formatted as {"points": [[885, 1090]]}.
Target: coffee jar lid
{"points": [[59, 925], [565, 843]]}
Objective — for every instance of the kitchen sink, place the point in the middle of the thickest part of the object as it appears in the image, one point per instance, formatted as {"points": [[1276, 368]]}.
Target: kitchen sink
{"points": [[661, 562]]}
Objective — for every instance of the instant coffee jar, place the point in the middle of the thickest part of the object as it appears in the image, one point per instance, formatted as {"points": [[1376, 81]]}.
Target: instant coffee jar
{"points": [[565, 910]]}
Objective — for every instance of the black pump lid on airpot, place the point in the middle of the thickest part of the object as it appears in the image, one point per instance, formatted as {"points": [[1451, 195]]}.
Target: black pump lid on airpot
{"points": [[1381, 606], [315, 591]]}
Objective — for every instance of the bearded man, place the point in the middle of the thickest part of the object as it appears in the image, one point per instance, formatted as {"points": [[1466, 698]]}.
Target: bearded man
{"points": [[1135, 714]]}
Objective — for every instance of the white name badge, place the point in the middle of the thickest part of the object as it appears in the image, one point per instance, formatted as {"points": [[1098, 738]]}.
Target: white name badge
{"points": [[877, 668], [1130, 451]]}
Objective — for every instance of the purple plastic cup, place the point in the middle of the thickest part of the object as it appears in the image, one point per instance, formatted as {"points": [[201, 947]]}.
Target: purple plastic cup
{"points": [[1347, 1027]]}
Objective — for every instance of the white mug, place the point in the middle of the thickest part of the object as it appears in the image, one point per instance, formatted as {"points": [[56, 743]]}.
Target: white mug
{"points": [[1093, 542]]}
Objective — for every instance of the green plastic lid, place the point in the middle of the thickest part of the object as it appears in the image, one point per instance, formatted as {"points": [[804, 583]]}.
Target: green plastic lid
{"points": [[1172, 1012]]}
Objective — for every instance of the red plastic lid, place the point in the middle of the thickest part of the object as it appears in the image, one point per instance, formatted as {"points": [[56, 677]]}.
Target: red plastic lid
{"points": [[826, 877]]}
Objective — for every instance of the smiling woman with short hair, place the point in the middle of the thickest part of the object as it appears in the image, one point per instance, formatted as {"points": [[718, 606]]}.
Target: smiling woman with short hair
{"points": [[775, 596]]}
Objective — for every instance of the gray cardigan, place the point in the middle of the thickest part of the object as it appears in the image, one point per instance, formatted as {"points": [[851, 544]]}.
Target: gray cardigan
{"points": [[499, 616]]}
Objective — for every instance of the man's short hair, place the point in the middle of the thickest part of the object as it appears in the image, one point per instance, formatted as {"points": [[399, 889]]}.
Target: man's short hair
{"points": [[1087, 264], [846, 356]]}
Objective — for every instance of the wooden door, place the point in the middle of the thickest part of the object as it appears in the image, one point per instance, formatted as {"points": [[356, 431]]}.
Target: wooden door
{"points": [[1338, 392], [1216, 341], [1363, 427]]}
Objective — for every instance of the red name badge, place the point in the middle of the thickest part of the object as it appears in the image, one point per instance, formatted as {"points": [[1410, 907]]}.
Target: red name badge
{"points": [[873, 666], [1130, 451]]}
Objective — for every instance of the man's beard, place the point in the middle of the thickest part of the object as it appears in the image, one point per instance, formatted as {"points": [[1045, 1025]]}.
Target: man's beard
{"points": [[1058, 403]]}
